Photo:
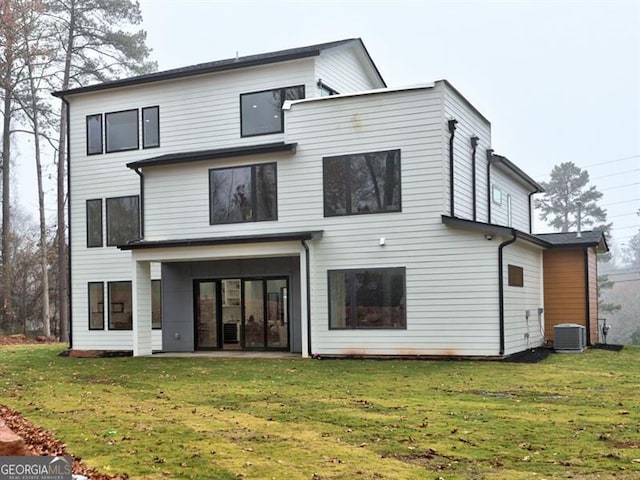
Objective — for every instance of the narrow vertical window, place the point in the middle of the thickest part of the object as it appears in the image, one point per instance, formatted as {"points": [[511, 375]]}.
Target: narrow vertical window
{"points": [[150, 127], [96, 305], [94, 223], [94, 134], [509, 212], [120, 306], [156, 304]]}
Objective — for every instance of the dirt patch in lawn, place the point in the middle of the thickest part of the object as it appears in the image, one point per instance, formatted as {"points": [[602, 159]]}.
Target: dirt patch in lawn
{"points": [[41, 442], [24, 340]]}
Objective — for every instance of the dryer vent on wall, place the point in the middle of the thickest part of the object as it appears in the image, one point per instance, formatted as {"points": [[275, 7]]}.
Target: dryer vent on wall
{"points": [[569, 337]]}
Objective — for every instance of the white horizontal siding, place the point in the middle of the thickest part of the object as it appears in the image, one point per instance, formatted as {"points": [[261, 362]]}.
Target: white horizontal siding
{"points": [[342, 69], [519, 193], [470, 124], [451, 277], [522, 333], [196, 113]]}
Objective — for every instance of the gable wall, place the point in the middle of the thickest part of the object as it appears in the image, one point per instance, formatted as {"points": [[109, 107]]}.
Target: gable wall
{"points": [[341, 69], [519, 193]]}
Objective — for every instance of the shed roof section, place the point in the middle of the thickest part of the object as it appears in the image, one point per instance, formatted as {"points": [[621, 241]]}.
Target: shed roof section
{"points": [[228, 64], [593, 238], [200, 155], [228, 240]]}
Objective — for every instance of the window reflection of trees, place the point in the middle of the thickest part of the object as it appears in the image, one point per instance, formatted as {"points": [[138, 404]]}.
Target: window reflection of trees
{"points": [[362, 183]]}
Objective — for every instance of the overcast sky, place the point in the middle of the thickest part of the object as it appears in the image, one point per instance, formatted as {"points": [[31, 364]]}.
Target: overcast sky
{"points": [[559, 81]]}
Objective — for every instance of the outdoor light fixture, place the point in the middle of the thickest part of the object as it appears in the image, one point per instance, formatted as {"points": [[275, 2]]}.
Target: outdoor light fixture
{"points": [[488, 236], [382, 241]]}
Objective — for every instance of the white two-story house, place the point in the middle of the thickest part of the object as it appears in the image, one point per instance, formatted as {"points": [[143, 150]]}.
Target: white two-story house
{"points": [[292, 201]]}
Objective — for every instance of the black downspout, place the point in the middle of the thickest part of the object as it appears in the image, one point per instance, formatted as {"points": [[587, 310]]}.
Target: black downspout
{"points": [[586, 294], [531, 211], [70, 312], [501, 287], [140, 174], [452, 131], [474, 145], [489, 192], [308, 293]]}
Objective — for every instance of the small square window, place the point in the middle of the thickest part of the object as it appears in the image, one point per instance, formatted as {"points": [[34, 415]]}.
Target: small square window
{"points": [[150, 127], [516, 276], [496, 194]]}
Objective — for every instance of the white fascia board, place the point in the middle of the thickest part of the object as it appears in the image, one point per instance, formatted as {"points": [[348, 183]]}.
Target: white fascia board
{"points": [[289, 103]]}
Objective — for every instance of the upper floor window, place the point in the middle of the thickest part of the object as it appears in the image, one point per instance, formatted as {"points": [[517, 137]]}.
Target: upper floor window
{"points": [[122, 130], [243, 194], [496, 194], [150, 127], [261, 112], [123, 220], [94, 223], [362, 183], [367, 298], [94, 134]]}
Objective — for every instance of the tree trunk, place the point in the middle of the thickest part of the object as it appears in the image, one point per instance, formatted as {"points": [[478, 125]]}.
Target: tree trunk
{"points": [[63, 297], [5, 295]]}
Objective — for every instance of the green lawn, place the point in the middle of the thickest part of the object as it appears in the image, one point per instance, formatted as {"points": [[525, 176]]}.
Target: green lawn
{"points": [[570, 416]]}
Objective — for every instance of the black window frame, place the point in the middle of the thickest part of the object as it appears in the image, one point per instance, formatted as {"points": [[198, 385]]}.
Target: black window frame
{"points": [[352, 295], [515, 276], [154, 282], [282, 97], [109, 286], [88, 117], [89, 311], [144, 140], [107, 218], [88, 224], [348, 184], [106, 131], [254, 194]]}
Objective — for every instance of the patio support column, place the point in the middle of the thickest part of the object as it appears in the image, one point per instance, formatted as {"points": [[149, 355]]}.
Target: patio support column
{"points": [[304, 305], [141, 291]]}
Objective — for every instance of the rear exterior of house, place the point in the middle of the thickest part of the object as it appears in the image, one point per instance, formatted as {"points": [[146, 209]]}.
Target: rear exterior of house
{"points": [[291, 201]]}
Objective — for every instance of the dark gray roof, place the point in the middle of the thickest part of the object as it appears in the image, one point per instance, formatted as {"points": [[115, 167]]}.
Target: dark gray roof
{"points": [[515, 169], [199, 155], [222, 65], [234, 240], [592, 238]]}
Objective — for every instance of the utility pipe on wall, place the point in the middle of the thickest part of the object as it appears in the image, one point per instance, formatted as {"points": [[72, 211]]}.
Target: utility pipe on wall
{"points": [[474, 145], [452, 132]]}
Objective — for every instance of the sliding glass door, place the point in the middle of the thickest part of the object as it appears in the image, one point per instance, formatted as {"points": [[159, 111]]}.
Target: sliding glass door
{"points": [[234, 314]]}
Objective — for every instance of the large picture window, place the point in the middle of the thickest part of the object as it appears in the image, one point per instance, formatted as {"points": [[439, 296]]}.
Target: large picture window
{"points": [[94, 223], [150, 127], [362, 183], [156, 304], [120, 306], [96, 306], [243, 194], [123, 220], [94, 134], [122, 130], [367, 298], [261, 112]]}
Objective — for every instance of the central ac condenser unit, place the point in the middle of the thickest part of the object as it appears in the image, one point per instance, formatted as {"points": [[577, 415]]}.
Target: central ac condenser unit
{"points": [[569, 337]]}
